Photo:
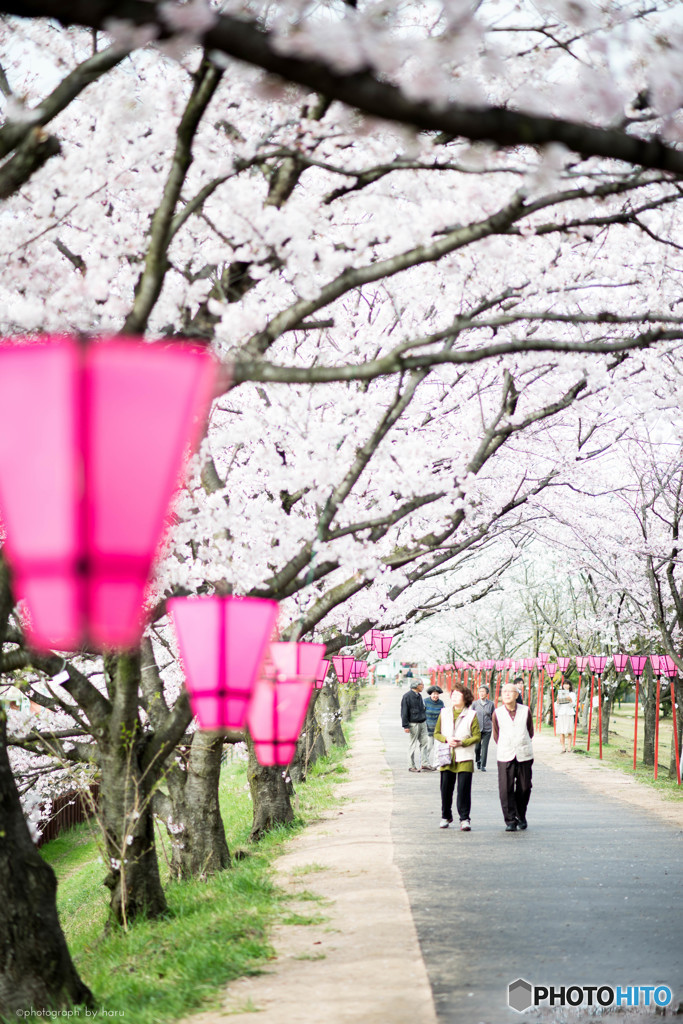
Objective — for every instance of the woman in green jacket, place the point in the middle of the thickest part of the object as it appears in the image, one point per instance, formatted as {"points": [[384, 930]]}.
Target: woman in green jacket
{"points": [[461, 734]]}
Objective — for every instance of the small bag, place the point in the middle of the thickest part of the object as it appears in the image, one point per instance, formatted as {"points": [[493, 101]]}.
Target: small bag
{"points": [[443, 754]]}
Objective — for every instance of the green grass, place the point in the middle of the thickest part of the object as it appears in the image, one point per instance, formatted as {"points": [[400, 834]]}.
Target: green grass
{"points": [[216, 930], [618, 753]]}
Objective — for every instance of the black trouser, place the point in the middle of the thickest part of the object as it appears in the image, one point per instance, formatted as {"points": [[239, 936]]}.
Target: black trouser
{"points": [[481, 750], [463, 800], [514, 786]]}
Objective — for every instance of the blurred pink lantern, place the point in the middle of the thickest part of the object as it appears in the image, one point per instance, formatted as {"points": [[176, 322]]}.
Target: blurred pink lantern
{"points": [[280, 700], [668, 666], [551, 668], [343, 666], [370, 639], [542, 659], [93, 437], [563, 664], [597, 663], [654, 661], [321, 674], [222, 642], [638, 664], [619, 661], [500, 665], [581, 663], [383, 645], [528, 664], [292, 660]]}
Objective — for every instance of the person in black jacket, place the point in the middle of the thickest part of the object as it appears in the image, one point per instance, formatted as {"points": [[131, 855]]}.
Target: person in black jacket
{"points": [[484, 708], [414, 722]]}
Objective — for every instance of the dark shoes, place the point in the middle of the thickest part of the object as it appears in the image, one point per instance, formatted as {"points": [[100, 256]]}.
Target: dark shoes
{"points": [[511, 826], [483, 769], [413, 769], [522, 823]]}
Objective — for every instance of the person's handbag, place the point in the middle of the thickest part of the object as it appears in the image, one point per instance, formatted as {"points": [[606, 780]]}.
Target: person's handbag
{"points": [[442, 752]]}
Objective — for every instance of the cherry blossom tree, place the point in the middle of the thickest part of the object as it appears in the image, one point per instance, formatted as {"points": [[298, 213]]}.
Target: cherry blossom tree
{"points": [[424, 338]]}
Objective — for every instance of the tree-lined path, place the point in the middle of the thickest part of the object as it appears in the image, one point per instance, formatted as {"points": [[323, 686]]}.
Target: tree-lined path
{"points": [[588, 895]]}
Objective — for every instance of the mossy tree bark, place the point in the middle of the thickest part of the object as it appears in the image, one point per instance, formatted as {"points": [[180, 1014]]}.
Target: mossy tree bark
{"points": [[191, 809], [36, 970]]}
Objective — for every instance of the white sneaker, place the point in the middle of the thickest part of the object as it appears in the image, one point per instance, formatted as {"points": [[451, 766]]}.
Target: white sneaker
{"points": [[465, 825], [444, 823]]}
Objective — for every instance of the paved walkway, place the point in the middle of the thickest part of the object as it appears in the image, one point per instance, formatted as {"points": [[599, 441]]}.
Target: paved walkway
{"points": [[589, 894], [424, 926]]}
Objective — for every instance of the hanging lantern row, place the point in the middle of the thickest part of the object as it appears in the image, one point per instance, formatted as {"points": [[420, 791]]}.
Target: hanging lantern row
{"points": [[236, 676], [377, 641]]}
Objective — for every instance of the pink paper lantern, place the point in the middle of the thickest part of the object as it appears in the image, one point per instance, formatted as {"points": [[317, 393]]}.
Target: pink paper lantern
{"points": [[357, 668], [551, 668], [321, 674], [563, 664], [383, 645], [638, 664], [222, 642], [619, 661], [597, 663], [276, 714], [343, 666], [297, 660], [92, 442], [370, 638], [542, 659], [500, 665], [668, 666], [528, 664], [654, 661], [581, 663]]}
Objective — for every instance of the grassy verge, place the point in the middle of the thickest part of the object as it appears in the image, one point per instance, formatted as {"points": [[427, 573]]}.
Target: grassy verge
{"points": [[215, 931], [618, 753]]}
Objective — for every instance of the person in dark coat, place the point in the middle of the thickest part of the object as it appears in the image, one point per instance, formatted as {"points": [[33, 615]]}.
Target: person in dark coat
{"points": [[433, 705], [414, 722], [484, 708]]}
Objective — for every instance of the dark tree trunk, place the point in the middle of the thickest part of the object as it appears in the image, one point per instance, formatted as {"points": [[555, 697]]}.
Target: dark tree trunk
{"points": [[678, 712], [271, 791], [329, 716], [36, 970], [125, 810], [348, 698], [198, 843], [311, 743], [608, 692], [648, 689]]}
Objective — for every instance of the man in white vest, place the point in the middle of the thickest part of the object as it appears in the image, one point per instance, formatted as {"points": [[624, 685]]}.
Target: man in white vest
{"points": [[513, 729]]}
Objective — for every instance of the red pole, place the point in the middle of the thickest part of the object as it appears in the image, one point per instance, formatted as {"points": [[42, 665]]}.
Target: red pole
{"points": [[578, 705], [540, 698], [600, 711], [590, 714], [677, 752], [657, 729], [552, 701], [495, 699], [635, 726]]}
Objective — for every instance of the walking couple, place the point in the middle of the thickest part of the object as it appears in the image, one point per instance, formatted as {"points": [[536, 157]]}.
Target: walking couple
{"points": [[512, 729]]}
